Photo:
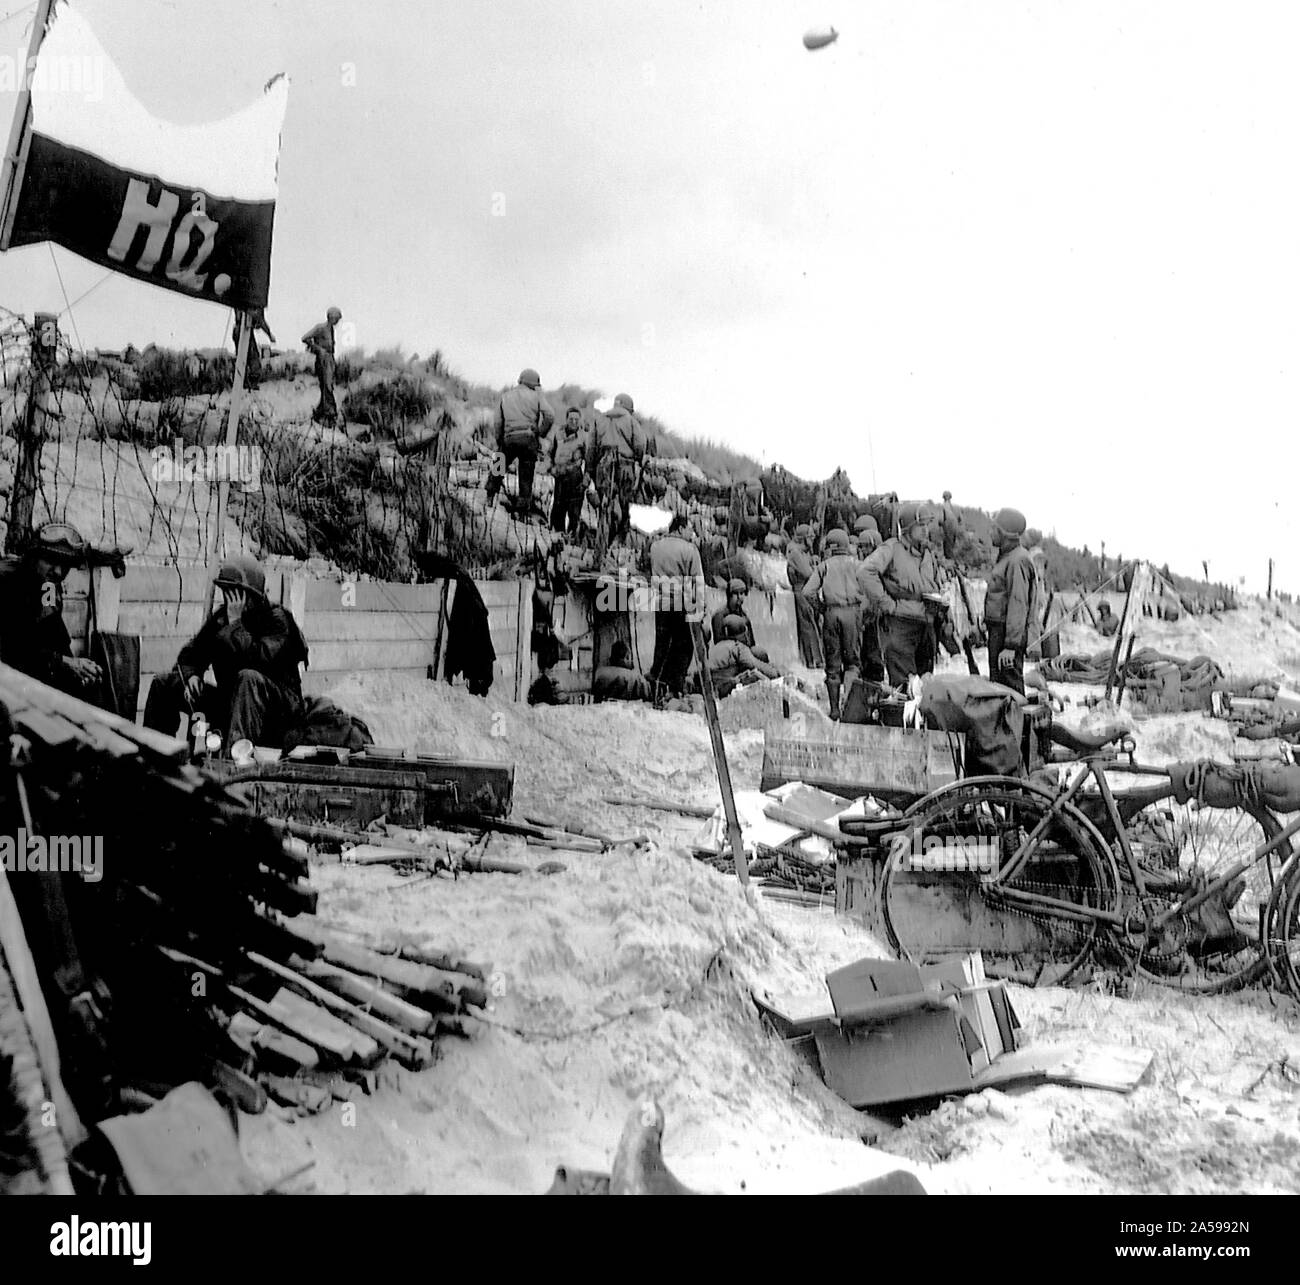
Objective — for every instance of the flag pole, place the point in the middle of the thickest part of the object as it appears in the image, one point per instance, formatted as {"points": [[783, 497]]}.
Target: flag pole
{"points": [[15, 158], [232, 432]]}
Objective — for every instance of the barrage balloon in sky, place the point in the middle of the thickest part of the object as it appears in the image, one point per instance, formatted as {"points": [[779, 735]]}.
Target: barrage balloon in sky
{"points": [[820, 37]]}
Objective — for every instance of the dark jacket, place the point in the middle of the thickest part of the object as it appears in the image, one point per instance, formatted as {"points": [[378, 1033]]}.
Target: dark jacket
{"points": [[718, 635], [33, 637], [266, 638], [1011, 588]]}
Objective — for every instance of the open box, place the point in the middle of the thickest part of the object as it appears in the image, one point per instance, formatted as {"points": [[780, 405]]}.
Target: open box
{"points": [[889, 1031]]}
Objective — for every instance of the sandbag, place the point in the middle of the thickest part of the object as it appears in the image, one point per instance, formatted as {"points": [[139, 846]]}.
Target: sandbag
{"points": [[1275, 786], [321, 722], [990, 716]]}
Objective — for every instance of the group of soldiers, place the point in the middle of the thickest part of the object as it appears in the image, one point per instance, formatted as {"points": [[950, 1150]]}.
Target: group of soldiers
{"points": [[877, 608], [587, 449]]}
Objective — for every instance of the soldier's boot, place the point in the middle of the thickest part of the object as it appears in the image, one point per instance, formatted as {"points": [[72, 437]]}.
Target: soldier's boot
{"points": [[833, 693]]}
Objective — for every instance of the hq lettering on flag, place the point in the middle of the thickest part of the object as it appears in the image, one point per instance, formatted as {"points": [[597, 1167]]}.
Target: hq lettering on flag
{"points": [[186, 207]]}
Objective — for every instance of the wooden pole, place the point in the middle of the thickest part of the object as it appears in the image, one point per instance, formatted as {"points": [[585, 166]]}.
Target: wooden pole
{"points": [[734, 835], [232, 432], [27, 469], [1119, 634], [1270, 579], [15, 157], [1123, 673]]}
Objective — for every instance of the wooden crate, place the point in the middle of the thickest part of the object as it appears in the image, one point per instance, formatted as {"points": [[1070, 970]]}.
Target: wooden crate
{"points": [[856, 759]]}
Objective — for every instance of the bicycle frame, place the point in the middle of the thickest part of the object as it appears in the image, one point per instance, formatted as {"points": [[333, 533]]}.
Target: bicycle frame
{"points": [[1094, 769]]}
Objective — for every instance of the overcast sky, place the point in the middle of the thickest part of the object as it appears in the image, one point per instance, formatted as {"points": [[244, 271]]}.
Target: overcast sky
{"points": [[1044, 254]]}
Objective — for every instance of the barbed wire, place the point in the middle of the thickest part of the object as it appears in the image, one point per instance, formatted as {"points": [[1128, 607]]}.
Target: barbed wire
{"points": [[360, 507]]}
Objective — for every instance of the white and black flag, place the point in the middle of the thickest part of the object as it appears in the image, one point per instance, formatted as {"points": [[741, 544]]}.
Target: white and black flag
{"points": [[186, 207]]}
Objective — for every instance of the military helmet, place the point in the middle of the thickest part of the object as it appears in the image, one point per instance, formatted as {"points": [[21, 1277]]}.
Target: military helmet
{"points": [[625, 401], [733, 627], [837, 539], [1010, 522], [530, 378], [241, 572], [60, 540]]}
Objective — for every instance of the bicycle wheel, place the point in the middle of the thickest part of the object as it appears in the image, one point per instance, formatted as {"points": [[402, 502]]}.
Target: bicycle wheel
{"points": [[1221, 946], [1284, 930], [937, 898]]}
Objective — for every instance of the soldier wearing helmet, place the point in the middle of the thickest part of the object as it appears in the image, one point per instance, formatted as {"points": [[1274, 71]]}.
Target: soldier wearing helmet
{"points": [[735, 606], [897, 577], [254, 648], [837, 585], [798, 571], [1007, 605], [732, 663], [33, 635], [319, 341], [620, 445], [524, 417]]}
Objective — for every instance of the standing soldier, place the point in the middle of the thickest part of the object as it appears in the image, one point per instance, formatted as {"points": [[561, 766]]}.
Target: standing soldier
{"points": [[678, 580], [873, 661], [951, 527], [524, 417], [896, 577], [619, 448], [567, 452], [319, 341], [798, 571], [1007, 603], [837, 583]]}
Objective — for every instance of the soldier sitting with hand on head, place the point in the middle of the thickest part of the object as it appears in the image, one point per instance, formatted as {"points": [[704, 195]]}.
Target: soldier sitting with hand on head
{"points": [[254, 649]]}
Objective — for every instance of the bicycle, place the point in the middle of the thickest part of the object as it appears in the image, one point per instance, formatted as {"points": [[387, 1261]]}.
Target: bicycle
{"points": [[1206, 900]]}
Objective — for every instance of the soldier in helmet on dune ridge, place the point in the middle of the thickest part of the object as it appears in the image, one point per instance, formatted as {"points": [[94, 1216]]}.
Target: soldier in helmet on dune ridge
{"points": [[254, 648], [524, 417]]}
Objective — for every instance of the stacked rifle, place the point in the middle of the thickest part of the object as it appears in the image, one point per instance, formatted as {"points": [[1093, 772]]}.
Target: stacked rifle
{"points": [[172, 930]]}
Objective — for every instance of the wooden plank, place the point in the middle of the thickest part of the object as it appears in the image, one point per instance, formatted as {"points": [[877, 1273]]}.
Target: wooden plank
{"points": [[22, 968], [365, 656], [524, 640], [497, 593], [165, 584], [855, 759], [108, 597], [369, 626], [370, 595], [166, 620]]}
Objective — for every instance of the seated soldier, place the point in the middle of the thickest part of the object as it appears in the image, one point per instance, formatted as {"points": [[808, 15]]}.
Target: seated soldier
{"points": [[736, 590], [1107, 621], [254, 649], [617, 680], [732, 663], [33, 636]]}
